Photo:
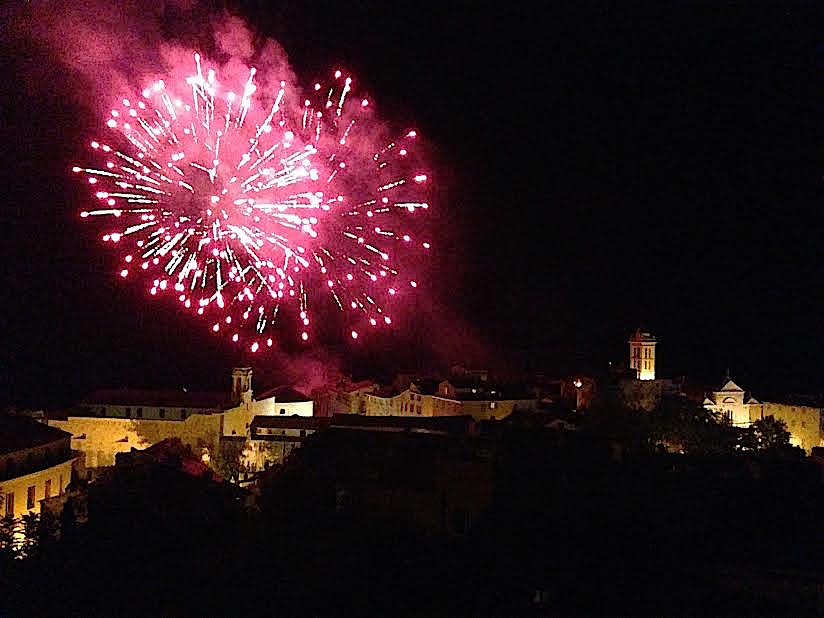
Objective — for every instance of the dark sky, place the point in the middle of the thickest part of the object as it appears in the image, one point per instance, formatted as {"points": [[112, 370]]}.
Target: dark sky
{"points": [[598, 168]]}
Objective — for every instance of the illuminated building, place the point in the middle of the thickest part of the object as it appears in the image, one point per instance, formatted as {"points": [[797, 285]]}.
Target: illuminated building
{"points": [[115, 421], [452, 397], [35, 464], [805, 423], [272, 438], [731, 402], [642, 354]]}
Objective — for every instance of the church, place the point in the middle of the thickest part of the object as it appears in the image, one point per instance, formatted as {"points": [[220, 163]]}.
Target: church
{"points": [[741, 409]]}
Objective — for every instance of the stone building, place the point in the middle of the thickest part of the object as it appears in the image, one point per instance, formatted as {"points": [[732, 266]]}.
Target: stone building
{"points": [[642, 354], [36, 463], [272, 438], [452, 397], [805, 423], [114, 421]]}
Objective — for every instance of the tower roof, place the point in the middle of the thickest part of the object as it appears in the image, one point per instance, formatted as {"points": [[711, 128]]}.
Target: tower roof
{"points": [[730, 387], [642, 336]]}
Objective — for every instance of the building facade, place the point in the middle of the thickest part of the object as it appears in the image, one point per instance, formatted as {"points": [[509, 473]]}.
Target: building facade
{"points": [[805, 423], [642, 354], [453, 397], [36, 464], [115, 421]]}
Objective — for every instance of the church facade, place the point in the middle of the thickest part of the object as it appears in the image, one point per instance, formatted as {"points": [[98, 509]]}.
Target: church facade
{"points": [[805, 423]]}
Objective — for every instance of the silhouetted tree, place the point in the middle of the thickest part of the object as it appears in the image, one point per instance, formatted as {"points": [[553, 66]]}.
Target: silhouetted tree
{"points": [[8, 549], [226, 461], [685, 425], [770, 433], [31, 524]]}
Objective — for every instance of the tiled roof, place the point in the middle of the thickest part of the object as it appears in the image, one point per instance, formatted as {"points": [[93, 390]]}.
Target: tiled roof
{"points": [[359, 385], [283, 394], [18, 433], [170, 398], [446, 424], [289, 422]]}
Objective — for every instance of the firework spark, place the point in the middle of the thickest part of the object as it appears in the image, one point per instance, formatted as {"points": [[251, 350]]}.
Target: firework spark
{"points": [[240, 208]]}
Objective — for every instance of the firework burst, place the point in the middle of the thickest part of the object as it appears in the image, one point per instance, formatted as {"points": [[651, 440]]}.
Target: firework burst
{"points": [[240, 209]]}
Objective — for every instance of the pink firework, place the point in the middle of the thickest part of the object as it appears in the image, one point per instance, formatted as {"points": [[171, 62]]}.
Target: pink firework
{"points": [[238, 209]]}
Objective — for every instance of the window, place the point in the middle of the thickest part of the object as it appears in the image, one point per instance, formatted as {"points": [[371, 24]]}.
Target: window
{"points": [[493, 405], [102, 411], [283, 410], [128, 413], [60, 485], [302, 433], [183, 414], [47, 492], [139, 412], [30, 497], [418, 409], [161, 413], [10, 503]]}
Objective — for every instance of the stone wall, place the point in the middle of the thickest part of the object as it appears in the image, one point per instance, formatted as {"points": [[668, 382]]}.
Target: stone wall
{"points": [[803, 422], [100, 439]]}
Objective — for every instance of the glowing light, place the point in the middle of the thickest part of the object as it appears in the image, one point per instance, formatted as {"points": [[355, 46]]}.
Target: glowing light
{"points": [[235, 198]]}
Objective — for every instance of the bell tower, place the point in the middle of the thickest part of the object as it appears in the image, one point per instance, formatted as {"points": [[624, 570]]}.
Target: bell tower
{"points": [[242, 384], [642, 354]]}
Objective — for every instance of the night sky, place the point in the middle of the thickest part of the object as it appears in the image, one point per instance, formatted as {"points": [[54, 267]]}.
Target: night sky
{"points": [[597, 168]]}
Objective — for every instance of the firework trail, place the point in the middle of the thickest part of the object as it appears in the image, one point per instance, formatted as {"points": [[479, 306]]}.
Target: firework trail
{"points": [[241, 209]]}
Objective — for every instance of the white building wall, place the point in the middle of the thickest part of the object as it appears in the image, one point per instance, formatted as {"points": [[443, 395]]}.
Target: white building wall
{"points": [[237, 420], [58, 476]]}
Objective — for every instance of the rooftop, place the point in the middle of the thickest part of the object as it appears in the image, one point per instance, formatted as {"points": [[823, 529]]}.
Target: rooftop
{"points": [[18, 433], [289, 422], [170, 398], [283, 394], [439, 424], [356, 386]]}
